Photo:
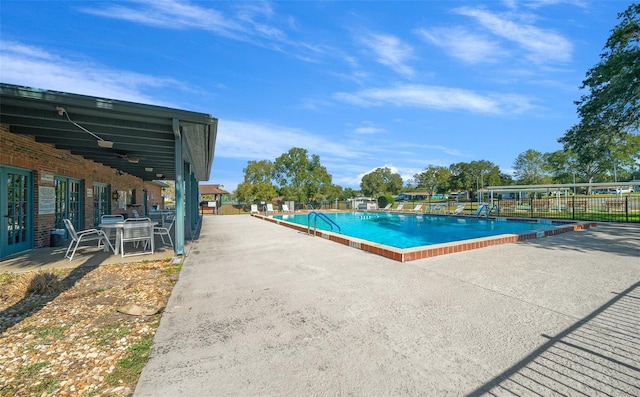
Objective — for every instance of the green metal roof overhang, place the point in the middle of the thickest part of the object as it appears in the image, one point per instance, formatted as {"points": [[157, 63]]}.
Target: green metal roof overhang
{"points": [[142, 135]]}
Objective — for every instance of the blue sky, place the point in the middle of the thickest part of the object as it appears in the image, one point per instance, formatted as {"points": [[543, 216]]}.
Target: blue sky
{"points": [[361, 84]]}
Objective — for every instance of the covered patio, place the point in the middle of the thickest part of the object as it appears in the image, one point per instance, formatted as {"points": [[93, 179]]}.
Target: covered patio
{"points": [[142, 143]]}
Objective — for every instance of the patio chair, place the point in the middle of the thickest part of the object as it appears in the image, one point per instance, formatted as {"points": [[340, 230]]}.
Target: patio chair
{"points": [[270, 209], [165, 230], [285, 208], [387, 207], [459, 209], [136, 231], [254, 209], [417, 208], [399, 207], [83, 235]]}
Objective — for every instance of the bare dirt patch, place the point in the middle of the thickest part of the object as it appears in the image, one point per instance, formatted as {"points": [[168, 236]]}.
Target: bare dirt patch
{"points": [[61, 332]]}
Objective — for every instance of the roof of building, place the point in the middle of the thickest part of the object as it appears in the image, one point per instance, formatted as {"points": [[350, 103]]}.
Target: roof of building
{"points": [[131, 137], [212, 189]]}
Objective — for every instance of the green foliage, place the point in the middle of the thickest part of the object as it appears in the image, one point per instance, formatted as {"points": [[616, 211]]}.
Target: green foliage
{"points": [[433, 179], [301, 178], [348, 193], [333, 192], [531, 168], [613, 100], [50, 332], [473, 175], [384, 200], [109, 333], [257, 184], [381, 180], [610, 111], [129, 369]]}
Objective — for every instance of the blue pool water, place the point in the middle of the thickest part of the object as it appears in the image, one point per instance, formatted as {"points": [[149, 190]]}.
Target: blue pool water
{"points": [[410, 230]]}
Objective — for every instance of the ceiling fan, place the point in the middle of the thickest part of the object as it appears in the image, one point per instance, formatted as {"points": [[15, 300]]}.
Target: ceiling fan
{"points": [[131, 159]]}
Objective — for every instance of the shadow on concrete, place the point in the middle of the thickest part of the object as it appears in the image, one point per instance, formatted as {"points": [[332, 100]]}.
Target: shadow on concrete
{"points": [[598, 355], [617, 239]]}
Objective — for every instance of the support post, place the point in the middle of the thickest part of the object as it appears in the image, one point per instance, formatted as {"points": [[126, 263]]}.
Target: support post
{"points": [[178, 247]]}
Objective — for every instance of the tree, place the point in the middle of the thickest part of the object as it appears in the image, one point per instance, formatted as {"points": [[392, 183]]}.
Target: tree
{"points": [[531, 169], [348, 193], [380, 181], [611, 108], [434, 179], [562, 166], [474, 175], [257, 184], [301, 178]]}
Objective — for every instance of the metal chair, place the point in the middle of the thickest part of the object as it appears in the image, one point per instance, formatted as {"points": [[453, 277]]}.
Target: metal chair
{"points": [[83, 235], [136, 231], [165, 229]]}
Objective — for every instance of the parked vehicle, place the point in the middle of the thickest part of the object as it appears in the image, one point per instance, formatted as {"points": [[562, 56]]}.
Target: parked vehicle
{"points": [[621, 190]]}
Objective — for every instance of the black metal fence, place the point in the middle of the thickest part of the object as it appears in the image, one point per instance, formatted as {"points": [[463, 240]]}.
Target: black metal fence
{"points": [[607, 209], [587, 208]]}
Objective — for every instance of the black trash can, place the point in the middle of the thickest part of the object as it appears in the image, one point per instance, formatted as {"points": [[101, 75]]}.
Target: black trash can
{"points": [[57, 238]]}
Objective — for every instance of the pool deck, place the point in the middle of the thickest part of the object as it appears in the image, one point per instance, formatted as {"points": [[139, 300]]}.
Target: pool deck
{"points": [[429, 251], [264, 310]]}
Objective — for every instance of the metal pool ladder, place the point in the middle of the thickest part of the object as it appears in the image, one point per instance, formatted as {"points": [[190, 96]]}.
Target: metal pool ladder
{"points": [[484, 207], [322, 216]]}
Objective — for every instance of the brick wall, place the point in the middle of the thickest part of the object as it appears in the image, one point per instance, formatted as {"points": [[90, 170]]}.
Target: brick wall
{"points": [[23, 151]]}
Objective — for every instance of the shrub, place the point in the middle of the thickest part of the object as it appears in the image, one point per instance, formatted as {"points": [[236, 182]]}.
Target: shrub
{"points": [[384, 200]]}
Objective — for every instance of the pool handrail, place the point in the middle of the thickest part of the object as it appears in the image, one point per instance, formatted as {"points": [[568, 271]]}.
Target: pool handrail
{"points": [[315, 222], [485, 207]]}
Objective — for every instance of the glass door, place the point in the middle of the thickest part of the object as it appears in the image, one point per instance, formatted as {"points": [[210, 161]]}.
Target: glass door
{"points": [[69, 202], [101, 205], [16, 212]]}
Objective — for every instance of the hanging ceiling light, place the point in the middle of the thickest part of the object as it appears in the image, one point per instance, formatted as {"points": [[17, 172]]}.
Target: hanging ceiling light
{"points": [[101, 142]]}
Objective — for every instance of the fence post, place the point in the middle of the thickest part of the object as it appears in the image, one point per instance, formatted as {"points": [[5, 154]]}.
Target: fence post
{"points": [[626, 208], [531, 205]]}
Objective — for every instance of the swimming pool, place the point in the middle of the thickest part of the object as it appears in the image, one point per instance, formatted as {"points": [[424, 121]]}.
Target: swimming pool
{"points": [[411, 230], [405, 237]]}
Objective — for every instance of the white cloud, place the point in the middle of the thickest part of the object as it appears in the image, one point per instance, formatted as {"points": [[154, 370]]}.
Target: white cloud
{"points": [[254, 141], [35, 67], [435, 97], [458, 42], [368, 130], [247, 22], [541, 45], [169, 14], [390, 51]]}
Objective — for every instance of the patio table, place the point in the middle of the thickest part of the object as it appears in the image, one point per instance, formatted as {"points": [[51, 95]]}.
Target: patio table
{"points": [[118, 226]]}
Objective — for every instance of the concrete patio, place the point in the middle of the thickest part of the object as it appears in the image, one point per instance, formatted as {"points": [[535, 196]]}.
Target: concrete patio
{"points": [[261, 309], [86, 255]]}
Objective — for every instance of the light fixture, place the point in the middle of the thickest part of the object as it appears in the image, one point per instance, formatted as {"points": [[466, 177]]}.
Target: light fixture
{"points": [[101, 142], [159, 175], [148, 169]]}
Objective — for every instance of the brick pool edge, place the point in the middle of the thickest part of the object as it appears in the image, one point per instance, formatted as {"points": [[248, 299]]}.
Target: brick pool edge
{"points": [[428, 251]]}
